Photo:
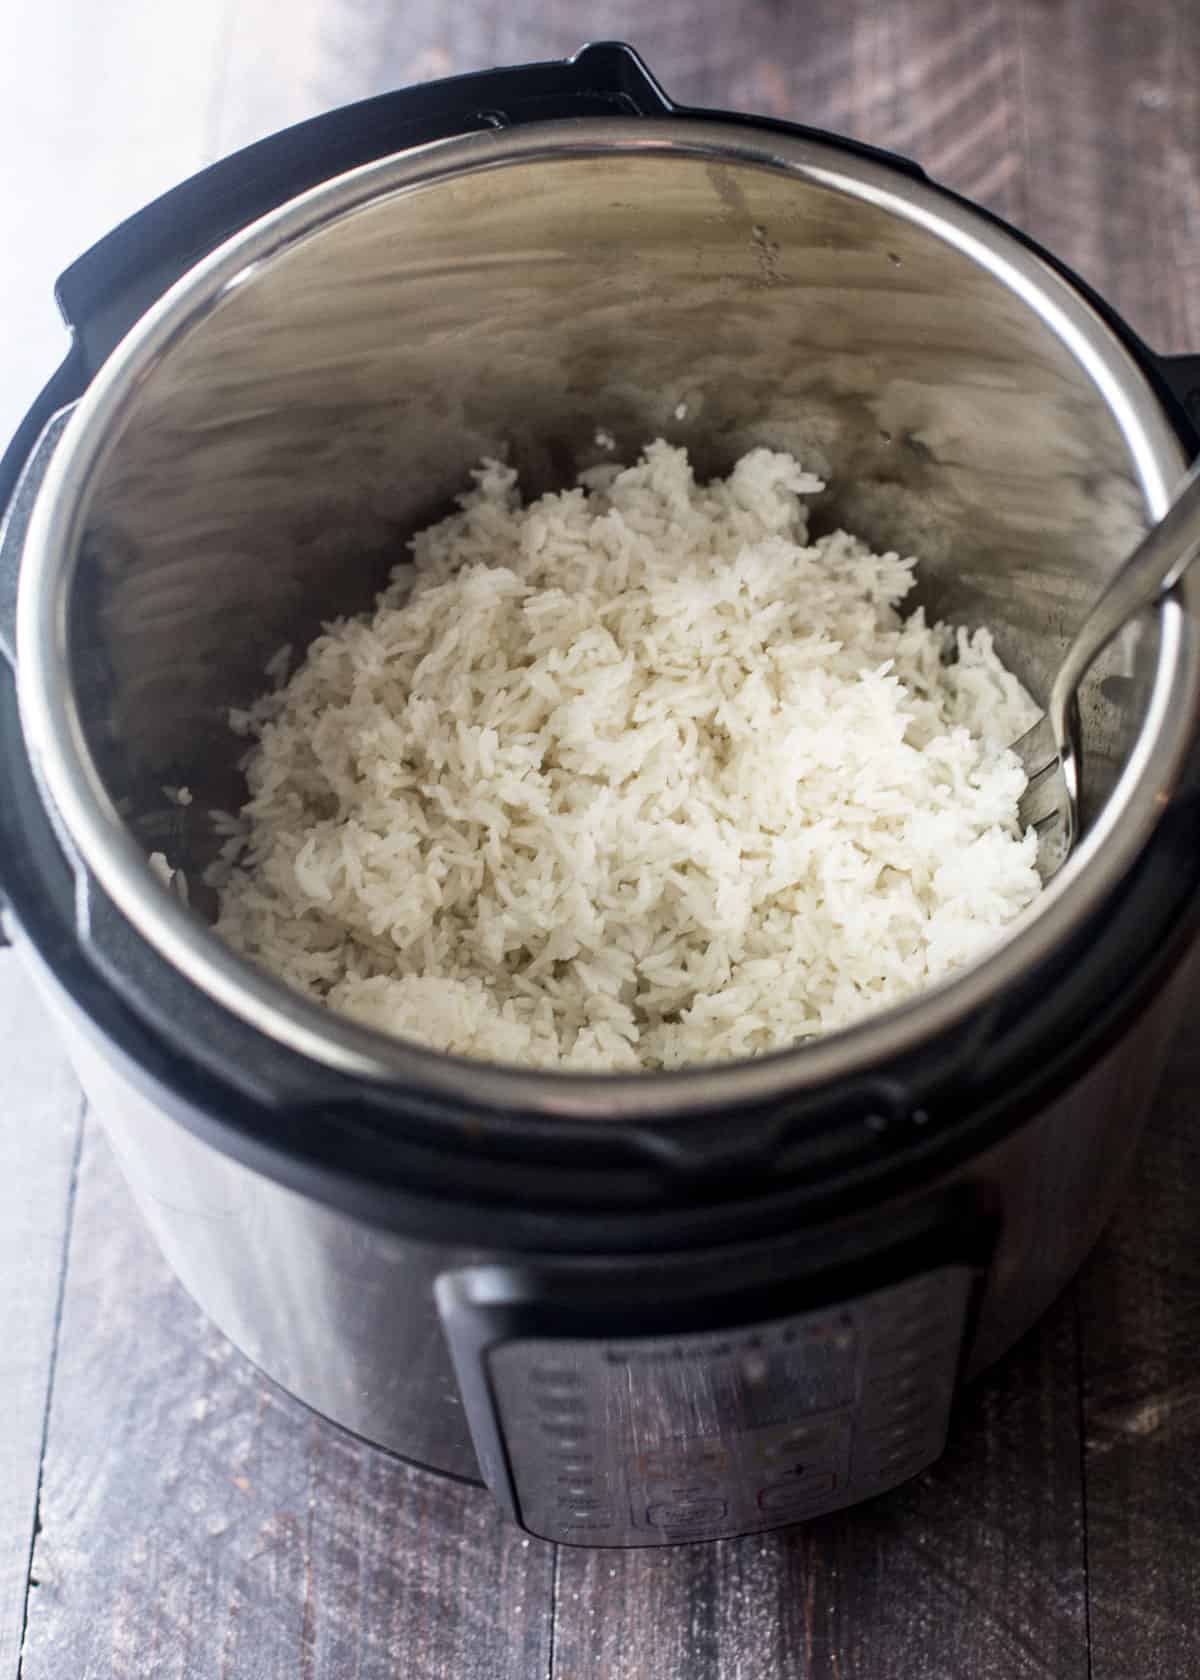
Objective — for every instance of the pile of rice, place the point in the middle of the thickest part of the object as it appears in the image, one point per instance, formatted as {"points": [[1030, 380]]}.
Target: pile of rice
{"points": [[633, 777]]}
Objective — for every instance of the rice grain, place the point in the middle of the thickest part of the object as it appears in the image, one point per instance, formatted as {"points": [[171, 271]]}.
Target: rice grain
{"points": [[634, 776]]}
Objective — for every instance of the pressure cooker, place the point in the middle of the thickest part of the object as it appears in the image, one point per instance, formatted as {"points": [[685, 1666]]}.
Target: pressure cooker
{"points": [[642, 1308]]}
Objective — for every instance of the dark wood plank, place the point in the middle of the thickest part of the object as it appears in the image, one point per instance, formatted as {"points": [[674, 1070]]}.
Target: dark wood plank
{"points": [[196, 1522], [933, 77], [1141, 1301], [1140, 1307], [39, 1132], [1112, 119], [976, 1568]]}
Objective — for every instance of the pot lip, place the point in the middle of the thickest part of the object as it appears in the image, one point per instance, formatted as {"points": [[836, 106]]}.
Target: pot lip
{"points": [[71, 782]]}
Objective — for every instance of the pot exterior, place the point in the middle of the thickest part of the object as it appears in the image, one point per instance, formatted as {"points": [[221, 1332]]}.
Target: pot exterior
{"points": [[343, 1315]]}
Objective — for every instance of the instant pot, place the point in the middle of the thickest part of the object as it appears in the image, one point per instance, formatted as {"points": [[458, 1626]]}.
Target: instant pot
{"points": [[642, 1308]]}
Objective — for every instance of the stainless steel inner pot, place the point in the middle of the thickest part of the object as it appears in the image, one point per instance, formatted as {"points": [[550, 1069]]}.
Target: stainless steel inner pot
{"points": [[250, 460]]}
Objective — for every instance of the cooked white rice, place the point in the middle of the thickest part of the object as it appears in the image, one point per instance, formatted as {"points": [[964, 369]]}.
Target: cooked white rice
{"points": [[632, 777]]}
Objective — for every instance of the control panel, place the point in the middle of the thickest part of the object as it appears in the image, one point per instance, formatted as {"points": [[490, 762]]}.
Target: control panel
{"points": [[668, 1438]]}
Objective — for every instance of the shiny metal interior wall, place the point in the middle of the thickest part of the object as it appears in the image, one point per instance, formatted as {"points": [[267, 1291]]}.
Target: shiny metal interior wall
{"points": [[337, 396]]}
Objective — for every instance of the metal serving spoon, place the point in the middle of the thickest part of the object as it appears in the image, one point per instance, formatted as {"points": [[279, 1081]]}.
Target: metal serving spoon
{"points": [[1050, 750]]}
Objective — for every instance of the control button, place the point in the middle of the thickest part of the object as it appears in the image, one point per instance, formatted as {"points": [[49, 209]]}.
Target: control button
{"points": [[875, 1436], [910, 1350], [894, 1471], [799, 1440], [916, 1357], [684, 1513], [547, 1388], [909, 1398], [686, 1457], [837, 1334], [908, 1452], [681, 1492], [554, 1405], [925, 1402], [589, 1513], [917, 1452], [906, 1324], [796, 1494], [899, 1382], [564, 1435], [902, 1429]]}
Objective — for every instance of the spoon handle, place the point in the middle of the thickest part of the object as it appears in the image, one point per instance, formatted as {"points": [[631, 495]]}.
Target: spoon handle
{"points": [[1155, 566]]}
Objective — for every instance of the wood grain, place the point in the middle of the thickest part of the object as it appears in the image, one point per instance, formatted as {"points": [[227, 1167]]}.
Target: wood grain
{"points": [[39, 1131], [1140, 1325], [1112, 121], [937, 78], [196, 1522]]}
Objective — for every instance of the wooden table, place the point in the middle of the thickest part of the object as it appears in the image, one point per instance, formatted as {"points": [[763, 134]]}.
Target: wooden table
{"points": [[164, 1511]]}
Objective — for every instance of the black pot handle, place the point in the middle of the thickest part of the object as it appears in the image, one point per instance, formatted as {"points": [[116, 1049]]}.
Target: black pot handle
{"points": [[108, 288], [16, 518], [105, 291], [1181, 376], [62, 389]]}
